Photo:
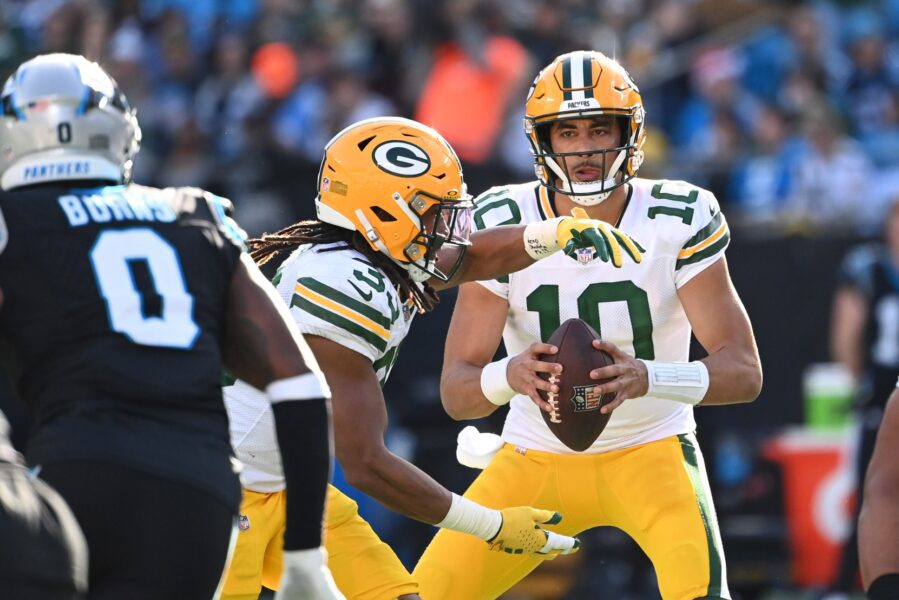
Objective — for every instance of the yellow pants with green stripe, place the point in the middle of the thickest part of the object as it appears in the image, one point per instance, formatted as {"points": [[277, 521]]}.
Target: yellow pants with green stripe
{"points": [[657, 493], [364, 567]]}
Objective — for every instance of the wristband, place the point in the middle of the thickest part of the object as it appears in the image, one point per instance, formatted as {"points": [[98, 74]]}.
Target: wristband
{"points": [[308, 386], [495, 384], [470, 517], [685, 382], [541, 238]]}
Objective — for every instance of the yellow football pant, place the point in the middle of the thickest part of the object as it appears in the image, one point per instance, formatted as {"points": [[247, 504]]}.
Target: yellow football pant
{"points": [[657, 493], [364, 567]]}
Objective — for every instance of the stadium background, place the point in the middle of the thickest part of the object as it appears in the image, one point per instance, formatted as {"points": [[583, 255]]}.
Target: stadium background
{"points": [[788, 111]]}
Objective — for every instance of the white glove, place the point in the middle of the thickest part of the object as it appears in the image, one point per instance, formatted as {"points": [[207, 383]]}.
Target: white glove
{"points": [[307, 577], [475, 449]]}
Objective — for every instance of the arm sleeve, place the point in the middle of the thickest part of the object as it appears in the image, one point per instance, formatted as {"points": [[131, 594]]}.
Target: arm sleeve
{"points": [[304, 437]]}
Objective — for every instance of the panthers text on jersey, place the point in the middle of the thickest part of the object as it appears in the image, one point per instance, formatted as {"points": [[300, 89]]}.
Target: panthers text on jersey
{"points": [[334, 294], [635, 307], [114, 302]]}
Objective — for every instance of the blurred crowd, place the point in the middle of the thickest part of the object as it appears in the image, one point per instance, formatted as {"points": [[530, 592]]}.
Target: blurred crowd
{"points": [[789, 111]]}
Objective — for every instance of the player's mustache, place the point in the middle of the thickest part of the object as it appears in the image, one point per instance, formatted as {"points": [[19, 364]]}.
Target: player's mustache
{"points": [[593, 164]]}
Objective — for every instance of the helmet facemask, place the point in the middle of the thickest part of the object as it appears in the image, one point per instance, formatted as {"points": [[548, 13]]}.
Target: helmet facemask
{"points": [[555, 169], [585, 85], [439, 248]]}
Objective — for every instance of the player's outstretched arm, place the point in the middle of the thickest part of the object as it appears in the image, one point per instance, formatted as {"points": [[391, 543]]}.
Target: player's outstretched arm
{"points": [[263, 347], [878, 523], [732, 371], [471, 386], [360, 420], [501, 250]]}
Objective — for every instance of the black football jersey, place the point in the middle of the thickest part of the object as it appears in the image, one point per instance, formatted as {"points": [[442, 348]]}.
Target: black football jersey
{"points": [[114, 302], [870, 270]]}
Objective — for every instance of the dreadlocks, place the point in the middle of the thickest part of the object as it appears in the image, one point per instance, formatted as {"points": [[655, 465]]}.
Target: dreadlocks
{"points": [[263, 249]]}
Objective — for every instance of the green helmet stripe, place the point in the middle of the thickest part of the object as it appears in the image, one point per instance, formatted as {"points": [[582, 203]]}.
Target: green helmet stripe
{"points": [[566, 79], [587, 64]]}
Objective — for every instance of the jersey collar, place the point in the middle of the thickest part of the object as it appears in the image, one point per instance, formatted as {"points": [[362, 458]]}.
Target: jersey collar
{"points": [[546, 203]]}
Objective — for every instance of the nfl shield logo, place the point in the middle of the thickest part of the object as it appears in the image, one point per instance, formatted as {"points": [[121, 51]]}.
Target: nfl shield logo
{"points": [[585, 255], [326, 184], [243, 522], [585, 398]]}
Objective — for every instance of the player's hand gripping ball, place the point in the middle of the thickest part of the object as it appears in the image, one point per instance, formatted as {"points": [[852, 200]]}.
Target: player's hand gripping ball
{"points": [[575, 417]]}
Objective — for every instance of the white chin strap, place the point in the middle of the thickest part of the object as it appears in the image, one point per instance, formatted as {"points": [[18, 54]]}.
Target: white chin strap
{"points": [[587, 193], [417, 274]]}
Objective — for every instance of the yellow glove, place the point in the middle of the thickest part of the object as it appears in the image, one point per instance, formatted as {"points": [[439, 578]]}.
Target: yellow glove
{"points": [[520, 533], [580, 231]]}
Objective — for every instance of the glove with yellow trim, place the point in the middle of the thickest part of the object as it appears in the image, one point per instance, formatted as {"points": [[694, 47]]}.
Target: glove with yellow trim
{"points": [[520, 533], [580, 231]]}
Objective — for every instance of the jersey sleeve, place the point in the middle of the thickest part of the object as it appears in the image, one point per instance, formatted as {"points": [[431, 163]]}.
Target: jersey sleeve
{"points": [[494, 208], [857, 269], [709, 237], [223, 213], [344, 301]]}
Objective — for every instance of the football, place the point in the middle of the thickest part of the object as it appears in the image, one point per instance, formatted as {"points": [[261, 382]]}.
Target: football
{"points": [[575, 418]]}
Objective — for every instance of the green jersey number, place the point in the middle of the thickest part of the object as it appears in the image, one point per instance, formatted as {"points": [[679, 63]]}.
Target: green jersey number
{"points": [[684, 213], [545, 302]]}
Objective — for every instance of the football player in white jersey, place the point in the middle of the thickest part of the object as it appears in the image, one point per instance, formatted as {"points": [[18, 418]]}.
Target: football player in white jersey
{"points": [[393, 226], [644, 474]]}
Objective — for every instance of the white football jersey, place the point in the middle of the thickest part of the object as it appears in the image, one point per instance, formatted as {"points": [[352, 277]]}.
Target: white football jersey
{"points": [[636, 307], [338, 295]]}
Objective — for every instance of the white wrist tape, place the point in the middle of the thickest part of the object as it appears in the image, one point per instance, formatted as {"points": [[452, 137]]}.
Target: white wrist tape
{"points": [[682, 382], [495, 384], [470, 517], [541, 239], [307, 386]]}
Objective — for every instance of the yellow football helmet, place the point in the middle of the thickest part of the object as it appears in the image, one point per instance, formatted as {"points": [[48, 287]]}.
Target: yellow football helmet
{"points": [[399, 184], [581, 85]]}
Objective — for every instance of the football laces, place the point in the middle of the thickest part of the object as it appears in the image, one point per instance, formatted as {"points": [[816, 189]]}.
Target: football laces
{"points": [[553, 400]]}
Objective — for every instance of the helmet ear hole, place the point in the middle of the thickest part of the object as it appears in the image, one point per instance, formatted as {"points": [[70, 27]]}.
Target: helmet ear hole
{"points": [[382, 214]]}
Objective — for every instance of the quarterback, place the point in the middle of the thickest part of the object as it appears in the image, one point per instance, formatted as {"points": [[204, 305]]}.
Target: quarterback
{"points": [[393, 225], [584, 118]]}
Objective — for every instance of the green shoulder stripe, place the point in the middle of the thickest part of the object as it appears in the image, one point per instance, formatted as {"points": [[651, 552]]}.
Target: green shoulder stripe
{"points": [[339, 321], [704, 253], [351, 303], [706, 231]]}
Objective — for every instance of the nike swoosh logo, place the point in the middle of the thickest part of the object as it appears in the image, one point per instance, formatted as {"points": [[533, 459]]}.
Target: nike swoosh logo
{"points": [[365, 295]]}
